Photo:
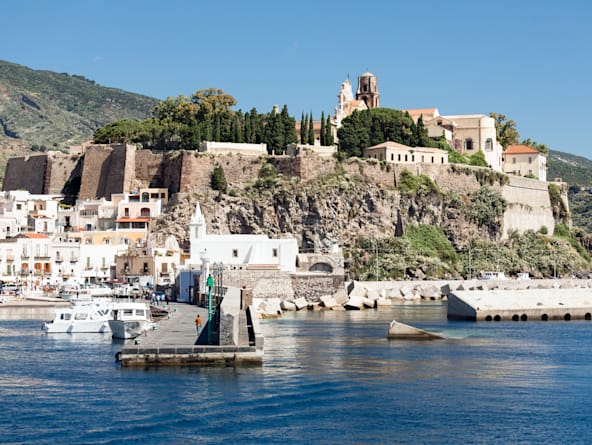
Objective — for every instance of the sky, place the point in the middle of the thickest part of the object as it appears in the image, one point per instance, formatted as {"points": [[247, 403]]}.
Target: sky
{"points": [[530, 60]]}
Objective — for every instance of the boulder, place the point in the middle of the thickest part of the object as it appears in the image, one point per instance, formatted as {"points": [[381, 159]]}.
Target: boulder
{"points": [[372, 294], [369, 303], [269, 309], [340, 296], [328, 301], [445, 290], [406, 291], [358, 291], [338, 308], [301, 303], [287, 305], [430, 292], [354, 303]]}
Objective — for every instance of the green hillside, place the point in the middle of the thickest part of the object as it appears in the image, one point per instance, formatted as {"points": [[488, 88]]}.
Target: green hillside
{"points": [[573, 169], [48, 110]]}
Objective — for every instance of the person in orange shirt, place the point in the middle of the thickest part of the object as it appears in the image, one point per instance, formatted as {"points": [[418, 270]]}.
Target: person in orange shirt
{"points": [[198, 323]]}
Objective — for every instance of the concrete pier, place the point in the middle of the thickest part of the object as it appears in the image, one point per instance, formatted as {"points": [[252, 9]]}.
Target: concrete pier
{"points": [[521, 305], [174, 341]]}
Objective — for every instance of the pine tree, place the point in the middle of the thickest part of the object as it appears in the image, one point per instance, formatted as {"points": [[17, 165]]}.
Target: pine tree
{"points": [[311, 135], [323, 141], [303, 130]]}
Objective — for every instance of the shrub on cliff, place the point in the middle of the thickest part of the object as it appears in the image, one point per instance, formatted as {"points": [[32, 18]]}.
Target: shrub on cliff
{"points": [[218, 181]]}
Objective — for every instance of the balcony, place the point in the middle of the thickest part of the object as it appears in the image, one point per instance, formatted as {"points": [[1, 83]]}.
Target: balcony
{"points": [[74, 259]]}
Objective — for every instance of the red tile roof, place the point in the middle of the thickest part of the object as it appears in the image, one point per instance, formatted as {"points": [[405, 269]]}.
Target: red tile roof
{"points": [[34, 235], [520, 150]]}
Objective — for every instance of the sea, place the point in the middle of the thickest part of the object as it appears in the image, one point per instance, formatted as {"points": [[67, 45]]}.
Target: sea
{"points": [[327, 378]]}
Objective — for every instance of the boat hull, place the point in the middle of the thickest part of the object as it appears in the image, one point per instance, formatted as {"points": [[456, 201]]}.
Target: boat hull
{"points": [[127, 329]]}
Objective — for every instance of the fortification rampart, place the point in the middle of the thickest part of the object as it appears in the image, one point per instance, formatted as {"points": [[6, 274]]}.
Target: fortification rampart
{"points": [[529, 205], [26, 173]]}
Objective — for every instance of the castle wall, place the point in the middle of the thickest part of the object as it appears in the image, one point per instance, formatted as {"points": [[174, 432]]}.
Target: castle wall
{"points": [[26, 173], [107, 169], [529, 205], [61, 169]]}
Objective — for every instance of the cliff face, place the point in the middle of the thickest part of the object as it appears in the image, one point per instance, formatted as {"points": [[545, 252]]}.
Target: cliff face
{"points": [[315, 199]]}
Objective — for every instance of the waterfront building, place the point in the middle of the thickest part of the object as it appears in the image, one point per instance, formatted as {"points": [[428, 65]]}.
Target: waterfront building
{"points": [[522, 160]]}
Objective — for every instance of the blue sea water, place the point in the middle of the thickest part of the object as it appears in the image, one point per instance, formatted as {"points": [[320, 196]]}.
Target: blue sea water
{"points": [[327, 377]]}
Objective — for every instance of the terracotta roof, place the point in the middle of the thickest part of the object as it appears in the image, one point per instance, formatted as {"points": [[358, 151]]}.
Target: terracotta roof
{"points": [[426, 112], [133, 220], [521, 150], [34, 235]]}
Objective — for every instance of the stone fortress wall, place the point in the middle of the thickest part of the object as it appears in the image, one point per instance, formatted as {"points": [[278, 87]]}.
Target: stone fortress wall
{"points": [[104, 170]]}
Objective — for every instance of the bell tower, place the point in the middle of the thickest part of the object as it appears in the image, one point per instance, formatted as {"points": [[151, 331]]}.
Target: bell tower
{"points": [[368, 90]]}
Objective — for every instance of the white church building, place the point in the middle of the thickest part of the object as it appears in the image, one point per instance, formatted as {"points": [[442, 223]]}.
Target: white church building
{"points": [[232, 252]]}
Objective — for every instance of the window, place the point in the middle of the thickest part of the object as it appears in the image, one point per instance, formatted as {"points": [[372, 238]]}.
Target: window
{"points": [[432, 159], [399, 157], [469, 144], [513, 160], [405, 158], [530, 160], [392, 157], [88, 262], [412, 158], [126, 212], [274, 253], [106, 241], [145, 212], [146, 270], [422, 158], [234, 253], [488, 144], [19, 206], [164, 267]]}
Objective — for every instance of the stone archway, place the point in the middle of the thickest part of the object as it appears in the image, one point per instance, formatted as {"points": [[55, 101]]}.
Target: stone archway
{"points": [[321, 267]]}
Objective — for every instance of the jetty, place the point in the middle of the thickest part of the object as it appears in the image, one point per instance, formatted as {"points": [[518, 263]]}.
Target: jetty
{"points": [[521, 305], [232, 338]]}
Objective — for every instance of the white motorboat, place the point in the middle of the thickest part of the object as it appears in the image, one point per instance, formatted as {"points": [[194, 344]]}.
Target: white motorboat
{"points": [[130, 320], [82, 316]]}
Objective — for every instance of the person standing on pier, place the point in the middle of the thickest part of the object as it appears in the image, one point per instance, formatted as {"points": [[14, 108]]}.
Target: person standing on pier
{"points": [[198, 323]]}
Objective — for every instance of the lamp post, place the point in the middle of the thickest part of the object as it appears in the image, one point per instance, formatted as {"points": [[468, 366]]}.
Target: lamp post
{"points": [[210, 284]]}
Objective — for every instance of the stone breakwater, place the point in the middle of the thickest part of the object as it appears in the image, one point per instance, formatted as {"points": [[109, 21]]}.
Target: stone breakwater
{"points": [[359, 295]]}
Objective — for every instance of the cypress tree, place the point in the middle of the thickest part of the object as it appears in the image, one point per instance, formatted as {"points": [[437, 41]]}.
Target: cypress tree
{"points": [[248, 137], [329, 133], [311, 135], [303, 131], [323, 141], [218, 180], [289, 124]]}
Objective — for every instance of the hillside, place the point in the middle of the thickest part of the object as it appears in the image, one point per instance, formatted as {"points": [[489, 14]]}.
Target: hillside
{"points": [[48, 110], [573, 169]]}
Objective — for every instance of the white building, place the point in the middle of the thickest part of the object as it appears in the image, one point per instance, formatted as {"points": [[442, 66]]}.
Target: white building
{"points": [[245, 252], [396, 153], [522, 160]]}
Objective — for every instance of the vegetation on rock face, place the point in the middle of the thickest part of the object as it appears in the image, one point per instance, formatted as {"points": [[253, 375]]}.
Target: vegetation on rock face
{"points": [[218, 181], [487, 208], [416, 185]]}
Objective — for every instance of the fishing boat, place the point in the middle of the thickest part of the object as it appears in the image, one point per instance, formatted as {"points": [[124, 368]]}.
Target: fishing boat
{"points": [[90, 316], [130, 320]]}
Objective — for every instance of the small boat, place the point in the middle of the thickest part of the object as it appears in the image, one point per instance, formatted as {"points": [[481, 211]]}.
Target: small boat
{"points": [[130, 320], [398, 330], [81, 317]]}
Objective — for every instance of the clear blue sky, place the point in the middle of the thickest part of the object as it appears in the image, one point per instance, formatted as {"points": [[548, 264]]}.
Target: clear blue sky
{"points": [[530, 60]]}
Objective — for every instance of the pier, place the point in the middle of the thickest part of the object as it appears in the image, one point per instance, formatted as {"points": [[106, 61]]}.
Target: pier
{"points": [[521, 305], [235, 339]]}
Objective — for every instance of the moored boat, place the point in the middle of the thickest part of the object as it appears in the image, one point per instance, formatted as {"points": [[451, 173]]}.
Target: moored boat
{"points": [[130, 320], [81, 317]]}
